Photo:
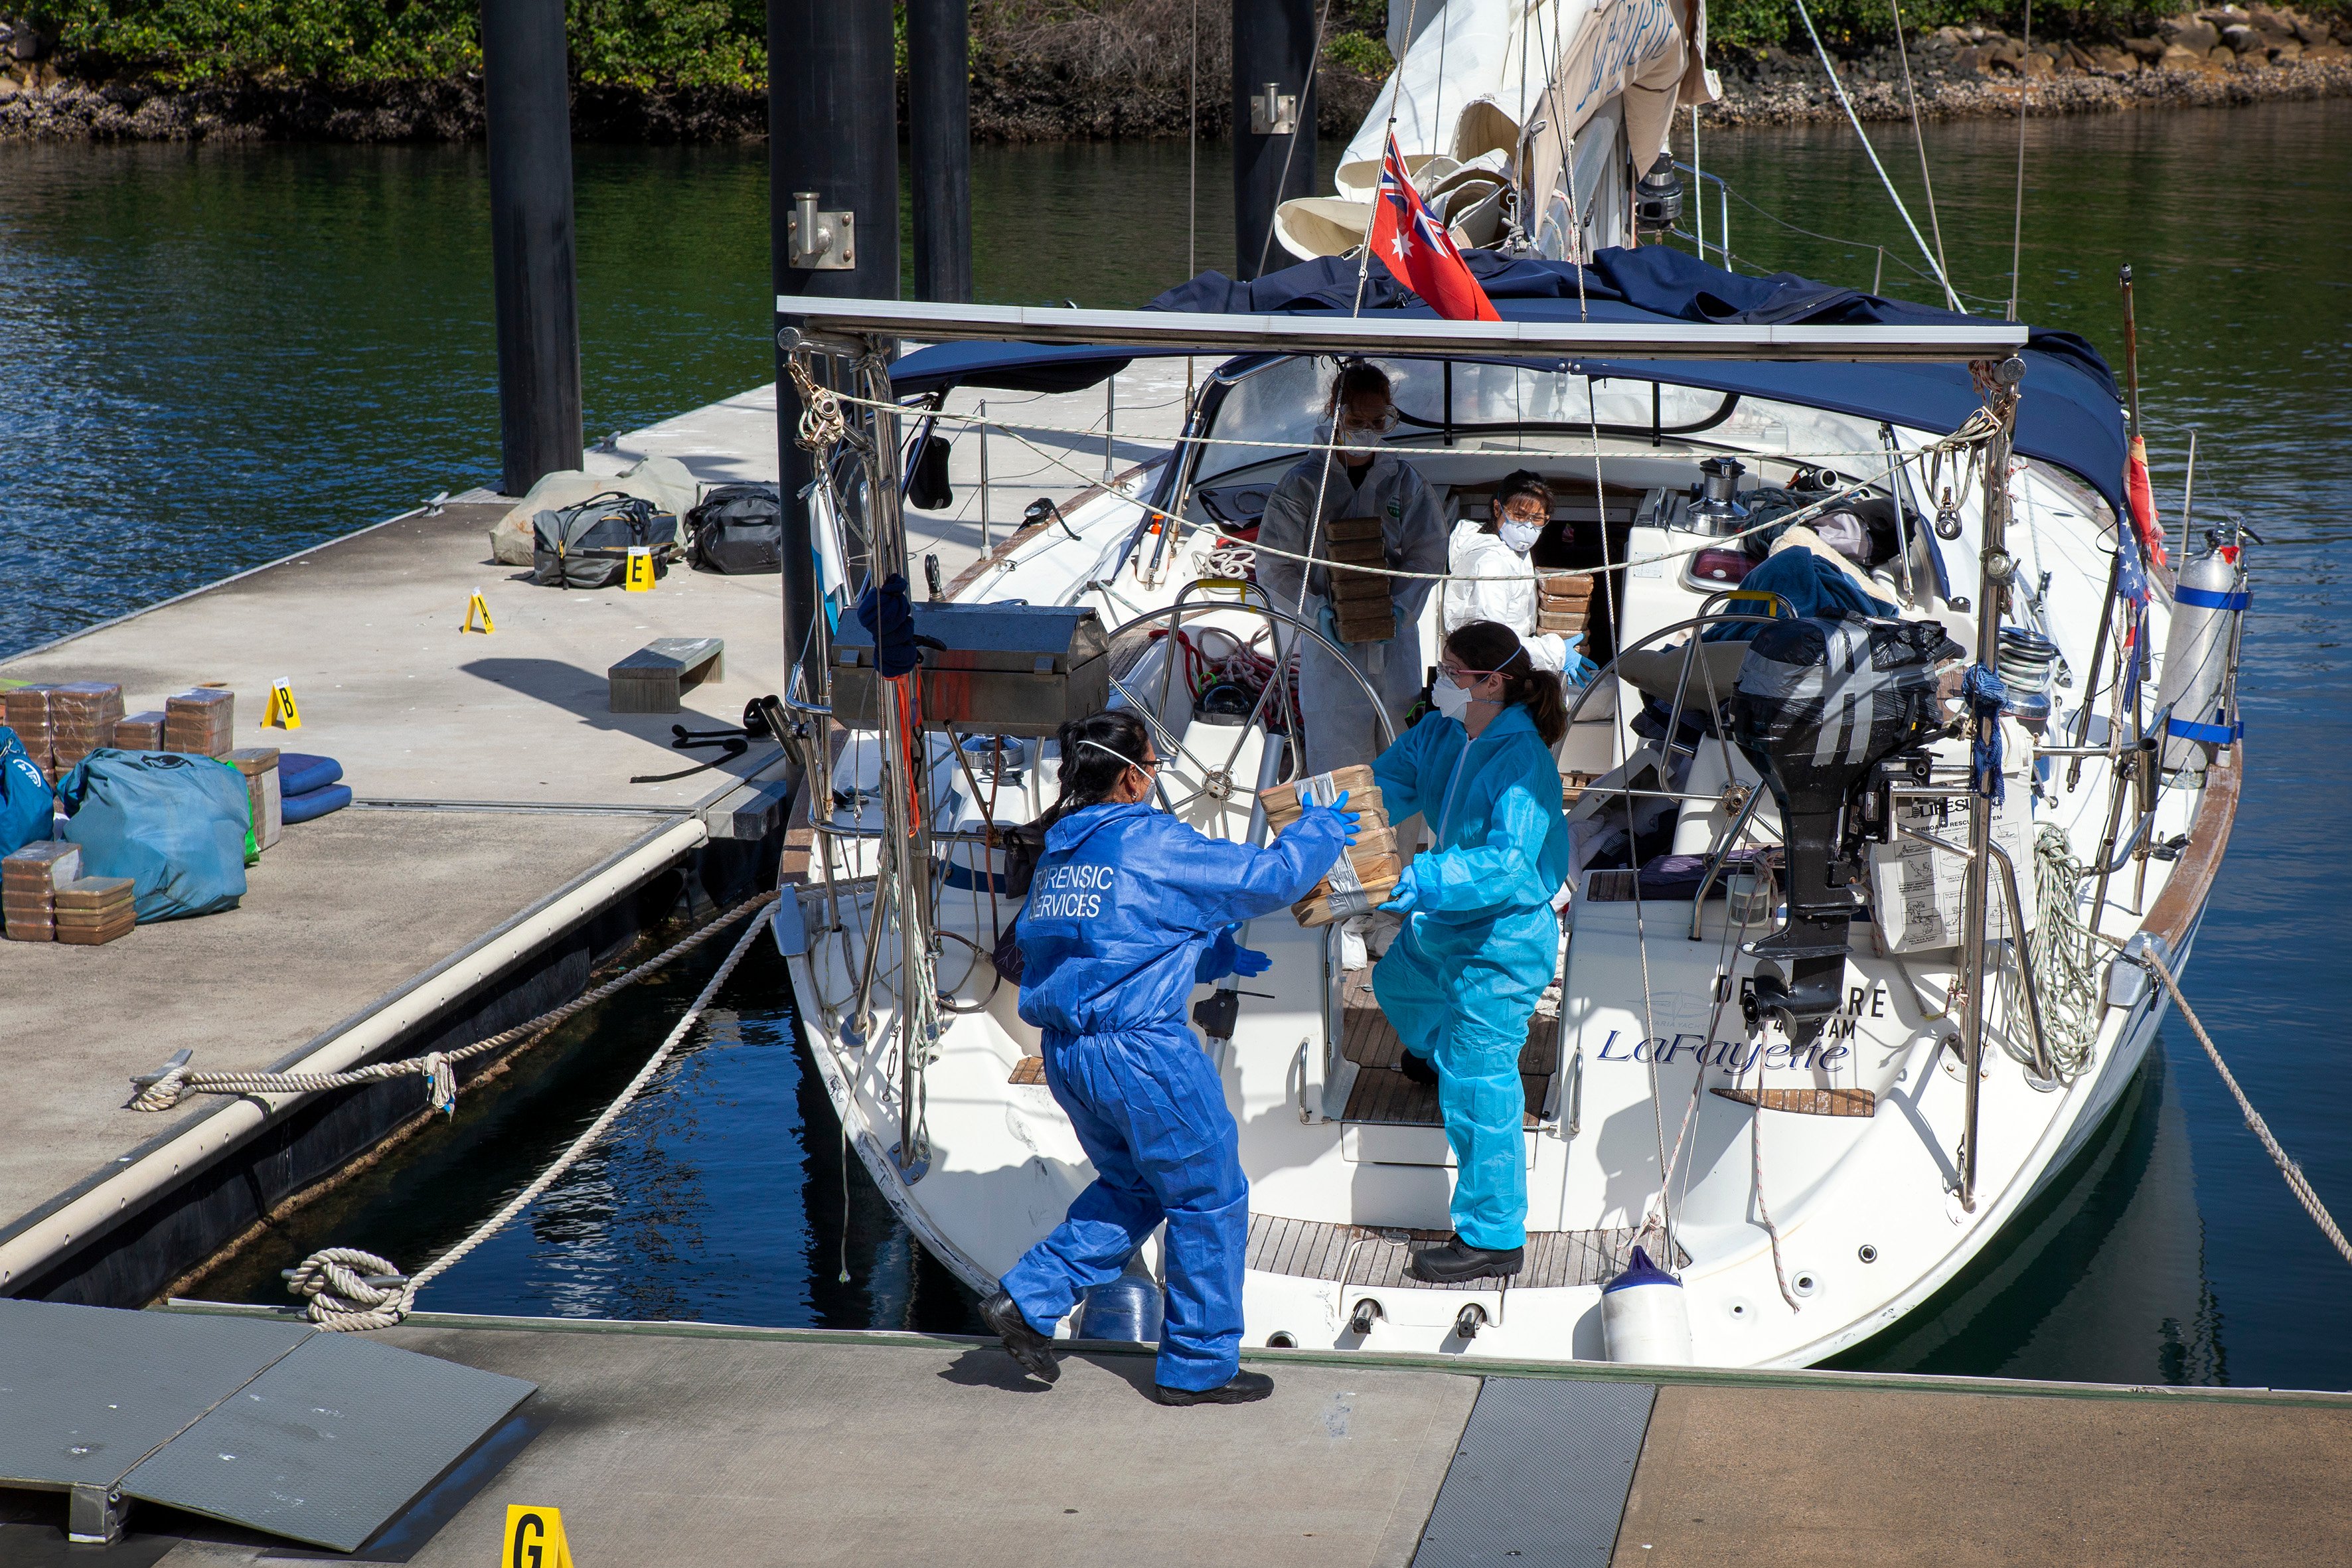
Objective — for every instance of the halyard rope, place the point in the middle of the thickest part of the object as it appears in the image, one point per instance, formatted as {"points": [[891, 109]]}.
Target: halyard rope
{"points": [[167, 1089], [2296, 1182], [342, 1301]]}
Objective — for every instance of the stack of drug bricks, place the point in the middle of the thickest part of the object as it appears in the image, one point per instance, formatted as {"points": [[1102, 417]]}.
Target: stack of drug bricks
{"points": [[1362, 604], [1563, 601], [30, 880], [93, 910], [1364, 876], [202, 722]]}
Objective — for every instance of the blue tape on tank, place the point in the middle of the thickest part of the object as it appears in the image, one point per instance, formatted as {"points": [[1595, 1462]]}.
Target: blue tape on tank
{"points": [[2206, 599]]}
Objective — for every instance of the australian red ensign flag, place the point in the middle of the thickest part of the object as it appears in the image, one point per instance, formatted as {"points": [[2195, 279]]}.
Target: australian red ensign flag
{"points": [[1416, 248]]}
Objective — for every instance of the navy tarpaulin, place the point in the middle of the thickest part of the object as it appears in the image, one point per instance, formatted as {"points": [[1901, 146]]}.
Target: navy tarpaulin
{"points": [[2069, 416]]}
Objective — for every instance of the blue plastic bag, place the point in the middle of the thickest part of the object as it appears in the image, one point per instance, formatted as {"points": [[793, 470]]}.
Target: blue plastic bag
{"points": [[25, 797], [176, 824]]}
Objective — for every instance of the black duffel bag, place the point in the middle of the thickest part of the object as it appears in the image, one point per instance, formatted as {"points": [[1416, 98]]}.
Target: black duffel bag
{"points": [[588, 545], [738, 529]]}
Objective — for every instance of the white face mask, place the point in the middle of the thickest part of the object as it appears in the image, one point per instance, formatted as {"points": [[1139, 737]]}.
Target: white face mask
{"points": [[1520, 536], [1449, 699], [1358, 441]]}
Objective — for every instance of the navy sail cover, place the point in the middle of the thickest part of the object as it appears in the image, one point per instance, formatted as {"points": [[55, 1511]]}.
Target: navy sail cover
{"points": [[2069, 413]]}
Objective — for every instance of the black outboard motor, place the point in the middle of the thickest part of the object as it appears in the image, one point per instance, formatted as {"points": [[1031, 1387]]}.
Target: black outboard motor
{"points": [[1820, 705]]}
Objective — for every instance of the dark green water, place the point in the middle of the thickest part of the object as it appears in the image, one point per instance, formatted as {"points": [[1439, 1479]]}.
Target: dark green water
{"points": [[209, 357]]}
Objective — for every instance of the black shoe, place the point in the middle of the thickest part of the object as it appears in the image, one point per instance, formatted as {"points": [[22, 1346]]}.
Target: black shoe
{"points": [[1451, 1262], [1245, 1388], [1418, 1067], [1032, 1350]]}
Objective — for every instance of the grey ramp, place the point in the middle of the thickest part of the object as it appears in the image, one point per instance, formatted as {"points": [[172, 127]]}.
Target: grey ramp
{"points": [[330, 1442], [1539, 1477], [85, 1392]]}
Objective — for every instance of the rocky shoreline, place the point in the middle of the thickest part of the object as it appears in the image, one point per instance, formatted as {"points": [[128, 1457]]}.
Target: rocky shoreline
{"points": [[2216, 57]]}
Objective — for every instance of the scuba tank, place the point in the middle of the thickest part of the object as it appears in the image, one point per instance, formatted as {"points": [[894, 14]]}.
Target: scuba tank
{"points": [[2200, 651]]}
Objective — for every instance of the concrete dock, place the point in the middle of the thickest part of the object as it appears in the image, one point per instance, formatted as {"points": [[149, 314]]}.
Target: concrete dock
{"points": [[681, 1444], [497, 855]]}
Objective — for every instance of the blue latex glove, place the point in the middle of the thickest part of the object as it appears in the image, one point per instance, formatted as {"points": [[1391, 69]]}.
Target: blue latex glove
{"points": [[1401, 899], [1328, 622], [1249, 961], [1396, 613], [1580, 669], [1350, 820]]}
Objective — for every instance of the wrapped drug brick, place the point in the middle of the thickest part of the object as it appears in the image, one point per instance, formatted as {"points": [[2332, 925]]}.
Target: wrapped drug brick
{"points": [[30, 879], [259, 766], [92, 910], [1363, 604], [1367, 873], [25, 710], [82, 715], [200, 721], [140, 731]]}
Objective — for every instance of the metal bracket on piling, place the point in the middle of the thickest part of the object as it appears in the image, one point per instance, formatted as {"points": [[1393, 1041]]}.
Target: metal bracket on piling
{"points": [[820, 241], [1273, 112]]}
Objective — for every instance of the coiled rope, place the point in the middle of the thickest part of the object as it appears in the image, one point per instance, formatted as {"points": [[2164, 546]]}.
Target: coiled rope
{"points": [[2066, 960], [161, 1091], [2297, 1183], [342, 1301]]}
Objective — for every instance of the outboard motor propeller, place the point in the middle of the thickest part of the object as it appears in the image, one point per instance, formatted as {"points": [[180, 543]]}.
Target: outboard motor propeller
{"points": [[1819, 707]]}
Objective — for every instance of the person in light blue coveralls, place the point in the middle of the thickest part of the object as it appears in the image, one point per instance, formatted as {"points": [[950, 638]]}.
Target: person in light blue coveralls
{"points": [[1127, 911], [1480, 940]]}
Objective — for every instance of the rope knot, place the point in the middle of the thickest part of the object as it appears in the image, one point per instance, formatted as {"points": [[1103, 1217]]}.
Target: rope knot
{"points": [[441, 1081], [163, 1091], [343, 1299]]}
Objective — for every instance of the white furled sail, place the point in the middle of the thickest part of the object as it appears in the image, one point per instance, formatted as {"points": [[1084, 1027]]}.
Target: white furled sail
{"points": [[1513, 115]]}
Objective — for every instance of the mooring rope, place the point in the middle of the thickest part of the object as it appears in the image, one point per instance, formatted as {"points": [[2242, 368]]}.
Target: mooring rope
{"points": [[2297, 1183], [344, 1301], [161, 1091]]}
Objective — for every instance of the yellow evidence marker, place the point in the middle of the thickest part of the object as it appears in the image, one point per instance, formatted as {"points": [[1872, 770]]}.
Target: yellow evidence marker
{"points": [[641, 569], [534, 1539], [283, 714], [478, 605]]}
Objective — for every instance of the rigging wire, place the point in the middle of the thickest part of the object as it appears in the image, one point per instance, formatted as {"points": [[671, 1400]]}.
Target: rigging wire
{"points": [[2017, 231], [1892, 195], [1918, 137]]}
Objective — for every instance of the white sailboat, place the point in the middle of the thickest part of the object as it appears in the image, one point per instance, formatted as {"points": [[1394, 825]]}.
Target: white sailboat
{"points": [[1812, 1145]]}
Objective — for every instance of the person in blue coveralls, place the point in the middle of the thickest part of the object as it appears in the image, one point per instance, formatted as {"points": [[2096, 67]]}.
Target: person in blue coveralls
{"points": [[1128, 909], [1480, 940]]}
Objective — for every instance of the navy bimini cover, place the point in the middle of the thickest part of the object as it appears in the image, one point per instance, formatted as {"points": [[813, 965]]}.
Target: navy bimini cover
{"points": [[2069, 413]]}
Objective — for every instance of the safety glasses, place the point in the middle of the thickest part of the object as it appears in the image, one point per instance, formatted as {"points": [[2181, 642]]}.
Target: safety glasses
{"points": [[1465, 678]]}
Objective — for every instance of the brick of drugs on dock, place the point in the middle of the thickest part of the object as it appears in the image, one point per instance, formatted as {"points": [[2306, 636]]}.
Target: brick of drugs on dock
{"points": [[140, 731], [25, 710], [259, 766], [202, 722], [82, 715], [30, 879]]}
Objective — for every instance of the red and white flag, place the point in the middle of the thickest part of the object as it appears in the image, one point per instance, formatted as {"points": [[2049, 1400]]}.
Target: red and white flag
{"points": [[2141, 496], [1416, 248]]}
